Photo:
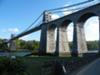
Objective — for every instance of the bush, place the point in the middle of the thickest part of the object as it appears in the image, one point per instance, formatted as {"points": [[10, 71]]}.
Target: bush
{"points": [[12, 67]]}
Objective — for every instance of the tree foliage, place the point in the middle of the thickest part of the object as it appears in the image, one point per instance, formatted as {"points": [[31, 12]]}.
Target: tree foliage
{"points": [[12, 67], [30, 45], [21, 45], [34, 45], [91, 45], [2, 45]]}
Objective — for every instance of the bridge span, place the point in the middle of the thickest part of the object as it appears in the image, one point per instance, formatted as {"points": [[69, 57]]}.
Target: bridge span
{"points": [[61, 45]]}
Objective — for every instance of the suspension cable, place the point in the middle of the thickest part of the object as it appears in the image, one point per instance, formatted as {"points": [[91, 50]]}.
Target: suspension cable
{"points": [[67, 10], [33, 23], [70, 5], [58, 12]]}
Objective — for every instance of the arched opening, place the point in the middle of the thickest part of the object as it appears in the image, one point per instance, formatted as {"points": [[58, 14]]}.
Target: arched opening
{"points": [[84, 17], [92, 33], [70, 34], [89, 23]]}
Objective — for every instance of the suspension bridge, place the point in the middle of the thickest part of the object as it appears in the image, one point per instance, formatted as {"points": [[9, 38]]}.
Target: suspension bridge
{"points": [[80, 12], [59, 47]]}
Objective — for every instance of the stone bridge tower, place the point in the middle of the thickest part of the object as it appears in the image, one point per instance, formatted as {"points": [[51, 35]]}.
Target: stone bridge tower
{"points": [[12, 44]]}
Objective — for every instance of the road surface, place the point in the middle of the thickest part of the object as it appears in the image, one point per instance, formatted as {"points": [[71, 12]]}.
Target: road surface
{"points": [[91, 69]]}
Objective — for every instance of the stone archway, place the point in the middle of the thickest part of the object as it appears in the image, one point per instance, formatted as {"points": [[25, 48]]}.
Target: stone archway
{"points": [[62, 45], [80, 45]]}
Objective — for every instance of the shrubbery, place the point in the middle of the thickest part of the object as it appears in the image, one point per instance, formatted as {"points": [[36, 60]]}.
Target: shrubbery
{"points": [[12, 67]]}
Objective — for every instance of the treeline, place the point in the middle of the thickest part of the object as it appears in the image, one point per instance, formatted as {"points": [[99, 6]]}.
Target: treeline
{"points": [[91, 45], [34, 45], [29, 45], [21, 45]]}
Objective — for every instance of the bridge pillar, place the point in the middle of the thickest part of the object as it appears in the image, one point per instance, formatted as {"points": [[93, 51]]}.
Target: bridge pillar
{"points": [[12, 45], [47, 17], [62, 46], [51, 40], [79, 41], [47, 41], [43, 40], [99, 35]]}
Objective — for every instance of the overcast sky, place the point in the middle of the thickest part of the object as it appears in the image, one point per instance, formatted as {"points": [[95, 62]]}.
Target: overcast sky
{"points": [[17, 15]]}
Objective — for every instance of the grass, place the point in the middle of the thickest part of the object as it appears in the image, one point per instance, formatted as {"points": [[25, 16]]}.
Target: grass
{"points": [[34, 64]]}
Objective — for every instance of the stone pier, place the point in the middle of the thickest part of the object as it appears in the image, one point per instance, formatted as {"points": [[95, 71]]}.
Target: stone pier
{"points": [[79, 41], [12, 44]]}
